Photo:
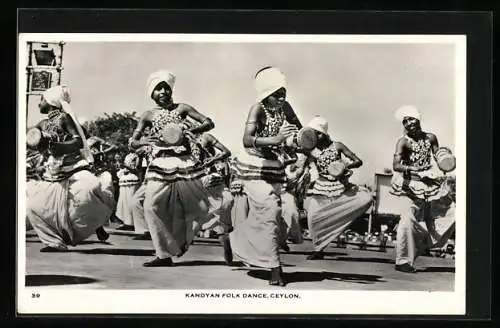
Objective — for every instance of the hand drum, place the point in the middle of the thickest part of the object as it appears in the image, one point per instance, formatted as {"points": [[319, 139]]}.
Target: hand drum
{"points": [[337, 168], [306, 139], [445, 159], [36, 139], [172, 135]]}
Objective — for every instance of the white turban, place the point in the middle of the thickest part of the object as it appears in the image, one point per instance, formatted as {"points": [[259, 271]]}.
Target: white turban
{"points": [[268, 81], [59, 97], [158, 77], [320, 124], [407, 111]]}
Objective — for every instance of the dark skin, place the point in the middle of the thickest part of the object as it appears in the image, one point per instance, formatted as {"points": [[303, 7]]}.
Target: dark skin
{"points": [[217, 150], [162, 95], [63, 147], [414, 131], [257, 118], [324, 142], [215, 147], [103, 143]]}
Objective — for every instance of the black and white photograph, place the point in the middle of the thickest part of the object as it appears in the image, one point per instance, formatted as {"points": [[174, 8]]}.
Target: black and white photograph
{"points": [[275, 174]]}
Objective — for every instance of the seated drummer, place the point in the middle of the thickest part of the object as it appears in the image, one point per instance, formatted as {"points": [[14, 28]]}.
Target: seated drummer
{"points": [[419, 188]]}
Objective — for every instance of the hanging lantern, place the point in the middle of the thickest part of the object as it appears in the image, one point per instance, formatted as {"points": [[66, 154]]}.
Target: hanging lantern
{"points": [[45, 56]]}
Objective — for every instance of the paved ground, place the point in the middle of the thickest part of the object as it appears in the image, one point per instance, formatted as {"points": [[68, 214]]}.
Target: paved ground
{"points": [[117, 264]]}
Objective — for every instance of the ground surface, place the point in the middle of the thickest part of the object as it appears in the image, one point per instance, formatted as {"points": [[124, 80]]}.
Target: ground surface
{"points": [[117, 264]]}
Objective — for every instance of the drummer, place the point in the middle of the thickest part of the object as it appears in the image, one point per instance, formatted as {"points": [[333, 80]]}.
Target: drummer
{"points": [[332, 202], [219, 220], [174, 194], [260, 172], [68, 205], [421, 190]]}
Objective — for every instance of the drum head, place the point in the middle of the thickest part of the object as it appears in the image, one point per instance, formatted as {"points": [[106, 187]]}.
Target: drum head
{"points": [[33, 137], [306, 139], [336, 168], [172, 134], [445, 159], [447, 164]]}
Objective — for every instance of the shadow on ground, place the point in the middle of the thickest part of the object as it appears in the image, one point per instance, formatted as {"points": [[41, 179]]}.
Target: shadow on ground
{"points": [[332, 254], [116, 251], [84, 242], [437, 269], [207, 263], [300, 276], [364, 259], [56, 279]]}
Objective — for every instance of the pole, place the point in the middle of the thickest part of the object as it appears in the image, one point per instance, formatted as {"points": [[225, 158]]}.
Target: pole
{"points": [[28, 76], [59, 68]]}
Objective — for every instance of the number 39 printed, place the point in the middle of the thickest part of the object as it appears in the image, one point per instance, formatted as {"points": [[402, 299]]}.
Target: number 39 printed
{"points": [[35, 295]]}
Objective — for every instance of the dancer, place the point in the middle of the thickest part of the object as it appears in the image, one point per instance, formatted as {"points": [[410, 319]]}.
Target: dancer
{"points": [[333, 203], [260, 172], [220, 199], [34, 172], [422, 191], [137, 200], [129, 183], [174, 194], [68, 205], [297, 180], [101, 167]]}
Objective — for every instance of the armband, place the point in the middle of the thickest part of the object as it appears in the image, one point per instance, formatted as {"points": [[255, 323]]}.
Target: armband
{"points": [[254, 142]]}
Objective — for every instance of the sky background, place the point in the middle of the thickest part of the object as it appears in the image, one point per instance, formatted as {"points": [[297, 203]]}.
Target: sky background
{"points": [[356, 87]]}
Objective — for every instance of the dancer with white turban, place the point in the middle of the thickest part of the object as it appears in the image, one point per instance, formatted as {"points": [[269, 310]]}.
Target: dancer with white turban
{"points": [[68, 205], [333, 203], [174, 194], [422, 192], [260, 171]]}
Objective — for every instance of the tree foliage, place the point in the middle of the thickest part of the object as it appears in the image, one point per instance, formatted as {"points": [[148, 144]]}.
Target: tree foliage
{"points": [[115, 128]]}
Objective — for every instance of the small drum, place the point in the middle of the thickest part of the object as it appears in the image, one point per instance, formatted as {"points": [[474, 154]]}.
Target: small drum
{"points": [[36, 139], [305, 139], [172, 135], [337, 168], [445, 159]]}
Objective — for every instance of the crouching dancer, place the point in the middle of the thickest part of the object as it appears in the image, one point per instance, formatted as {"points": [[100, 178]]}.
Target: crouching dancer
{"points": [[67, 205]]}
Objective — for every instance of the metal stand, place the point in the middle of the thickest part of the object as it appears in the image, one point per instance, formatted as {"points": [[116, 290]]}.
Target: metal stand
{"points": [[50, 67]]}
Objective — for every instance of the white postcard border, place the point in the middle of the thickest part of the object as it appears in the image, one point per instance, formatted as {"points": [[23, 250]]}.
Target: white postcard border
{"points": [[71, 300]]}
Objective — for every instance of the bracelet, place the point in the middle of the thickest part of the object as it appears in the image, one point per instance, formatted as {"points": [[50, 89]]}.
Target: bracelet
{"points": [[254, 142]]}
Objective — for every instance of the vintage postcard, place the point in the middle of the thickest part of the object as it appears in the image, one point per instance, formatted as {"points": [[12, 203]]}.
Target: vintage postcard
{"points": [[241, 174]]}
